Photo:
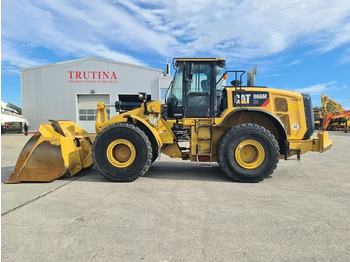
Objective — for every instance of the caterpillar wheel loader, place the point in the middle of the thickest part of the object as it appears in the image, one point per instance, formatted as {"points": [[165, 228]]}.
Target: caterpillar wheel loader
{"points": [[246, 129]]}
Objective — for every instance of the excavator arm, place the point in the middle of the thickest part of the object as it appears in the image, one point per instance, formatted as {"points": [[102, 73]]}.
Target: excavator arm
{"points": [[335, 115]]}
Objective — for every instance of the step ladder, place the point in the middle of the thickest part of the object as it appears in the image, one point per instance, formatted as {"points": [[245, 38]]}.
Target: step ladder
{"points": [[204, 147]]}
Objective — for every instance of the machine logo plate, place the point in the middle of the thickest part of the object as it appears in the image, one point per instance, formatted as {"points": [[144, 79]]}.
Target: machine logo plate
{"points": [[251, 98]]}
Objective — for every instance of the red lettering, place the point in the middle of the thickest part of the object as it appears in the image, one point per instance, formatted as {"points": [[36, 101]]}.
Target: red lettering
{"points": [[113, 76], [92, 75], [70, 74], [77, 75], [105, 75]]}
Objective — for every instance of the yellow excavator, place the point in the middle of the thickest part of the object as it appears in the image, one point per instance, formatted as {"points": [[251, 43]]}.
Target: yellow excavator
{"points": [[244, 128]]}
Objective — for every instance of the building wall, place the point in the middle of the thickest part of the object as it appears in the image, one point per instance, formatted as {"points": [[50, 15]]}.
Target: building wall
{"points": [[51, 92]]}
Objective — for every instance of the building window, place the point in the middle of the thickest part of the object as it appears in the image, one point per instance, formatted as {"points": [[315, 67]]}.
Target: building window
{"points": [[89, 114]]}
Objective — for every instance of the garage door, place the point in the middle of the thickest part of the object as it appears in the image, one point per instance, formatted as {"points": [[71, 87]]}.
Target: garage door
{"points": [[87, 110]]}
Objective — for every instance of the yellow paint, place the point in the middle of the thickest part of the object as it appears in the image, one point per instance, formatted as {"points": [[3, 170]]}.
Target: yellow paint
{"points": [[249, 154], [172, 151], [121, 153], [293, 106]]}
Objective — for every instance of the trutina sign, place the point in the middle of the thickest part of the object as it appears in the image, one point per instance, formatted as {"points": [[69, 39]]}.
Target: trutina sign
{"points": [[92, 77]]}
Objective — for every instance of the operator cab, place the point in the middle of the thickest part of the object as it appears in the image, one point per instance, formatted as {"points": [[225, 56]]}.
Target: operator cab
{"points": [[196, 89]]}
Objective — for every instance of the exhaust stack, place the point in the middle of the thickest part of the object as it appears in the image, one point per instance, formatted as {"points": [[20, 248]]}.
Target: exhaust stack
{"points": [[251, 77], [167, 69]]}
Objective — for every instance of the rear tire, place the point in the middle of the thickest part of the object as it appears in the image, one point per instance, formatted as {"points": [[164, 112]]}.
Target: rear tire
{"points": [[248, 153], [122, 152]]}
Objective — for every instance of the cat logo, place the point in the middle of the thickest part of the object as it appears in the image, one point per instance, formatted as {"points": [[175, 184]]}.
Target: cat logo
{"points": [[253, 98]]}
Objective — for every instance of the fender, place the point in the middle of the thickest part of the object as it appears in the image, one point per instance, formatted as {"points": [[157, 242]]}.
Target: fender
{"points": [[278, 124], [146, 125], [102, 116]]}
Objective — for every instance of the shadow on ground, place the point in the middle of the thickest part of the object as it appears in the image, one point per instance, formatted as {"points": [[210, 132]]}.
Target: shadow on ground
{"points": [[172, 171], [158, 170], [186, 171]]}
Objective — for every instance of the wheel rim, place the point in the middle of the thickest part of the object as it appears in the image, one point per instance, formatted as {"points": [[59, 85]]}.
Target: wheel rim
{"points": [[121, 153], [250, 154]]}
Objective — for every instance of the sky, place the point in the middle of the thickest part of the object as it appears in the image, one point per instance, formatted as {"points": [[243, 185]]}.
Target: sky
{"points": [[298, 45]]}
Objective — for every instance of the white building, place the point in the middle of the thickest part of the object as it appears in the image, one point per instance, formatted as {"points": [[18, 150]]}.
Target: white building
{"points": [[70, 90]]}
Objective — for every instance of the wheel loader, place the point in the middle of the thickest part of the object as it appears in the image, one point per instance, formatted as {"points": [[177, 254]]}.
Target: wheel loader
{"points": [[205, 119]]}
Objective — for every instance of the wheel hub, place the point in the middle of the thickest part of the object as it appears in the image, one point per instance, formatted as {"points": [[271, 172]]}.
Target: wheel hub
{"points": [[249, 154], [121, 153]]}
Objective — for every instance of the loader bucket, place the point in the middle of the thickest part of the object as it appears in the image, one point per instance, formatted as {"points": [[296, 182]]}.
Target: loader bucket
{"points": [[57, 149]]}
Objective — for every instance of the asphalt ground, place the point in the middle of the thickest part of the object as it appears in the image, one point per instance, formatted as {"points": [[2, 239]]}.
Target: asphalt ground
{"points": [[179, 212]]}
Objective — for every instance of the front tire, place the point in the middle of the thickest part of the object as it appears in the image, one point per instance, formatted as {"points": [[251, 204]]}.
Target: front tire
{"points": [[122, 152], [154, 155], [248, 153]]}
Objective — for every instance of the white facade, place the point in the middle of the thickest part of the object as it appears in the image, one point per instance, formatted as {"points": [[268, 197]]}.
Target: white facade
{"points": [[70, 90]]}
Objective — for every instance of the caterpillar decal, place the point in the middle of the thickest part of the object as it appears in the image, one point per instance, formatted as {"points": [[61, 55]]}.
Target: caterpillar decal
{"points": [[251, 98]]}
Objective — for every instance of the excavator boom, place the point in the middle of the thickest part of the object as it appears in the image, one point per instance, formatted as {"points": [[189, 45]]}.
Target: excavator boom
{"points": [[336, 115], [328, 104]]}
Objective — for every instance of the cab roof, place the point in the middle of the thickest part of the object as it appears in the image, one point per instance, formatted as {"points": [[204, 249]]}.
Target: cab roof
{"points": [[218, 61], [199, 59]]}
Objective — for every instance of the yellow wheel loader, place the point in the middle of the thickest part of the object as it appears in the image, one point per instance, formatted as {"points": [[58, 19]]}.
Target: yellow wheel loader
{"points": [[244, 128]]}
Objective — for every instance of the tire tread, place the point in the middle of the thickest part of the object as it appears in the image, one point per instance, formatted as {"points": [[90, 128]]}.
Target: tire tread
{"points": [[226, 138], [144, 137]]}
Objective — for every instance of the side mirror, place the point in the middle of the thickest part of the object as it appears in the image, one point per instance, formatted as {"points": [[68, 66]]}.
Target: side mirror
{"points": [[188, 72], [223, 77]]}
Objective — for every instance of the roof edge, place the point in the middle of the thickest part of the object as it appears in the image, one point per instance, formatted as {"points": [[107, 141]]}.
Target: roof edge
{"points": [[81, 60]]}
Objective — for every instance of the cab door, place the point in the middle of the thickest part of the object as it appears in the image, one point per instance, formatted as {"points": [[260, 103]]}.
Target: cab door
{"points": [[197, 91]]}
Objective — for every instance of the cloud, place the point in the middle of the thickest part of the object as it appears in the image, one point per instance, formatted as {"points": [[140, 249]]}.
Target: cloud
{"points": [[248, 29], [13, 60], [294, 62], [317, 88], [239, 30], [57, 26]]}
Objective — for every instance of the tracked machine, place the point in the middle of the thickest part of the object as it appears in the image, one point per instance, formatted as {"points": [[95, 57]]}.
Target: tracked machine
{"points": [[333, 116], [244, 128]]}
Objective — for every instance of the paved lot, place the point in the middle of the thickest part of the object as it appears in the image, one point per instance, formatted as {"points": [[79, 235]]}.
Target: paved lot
{"points": [[178, 212]]}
